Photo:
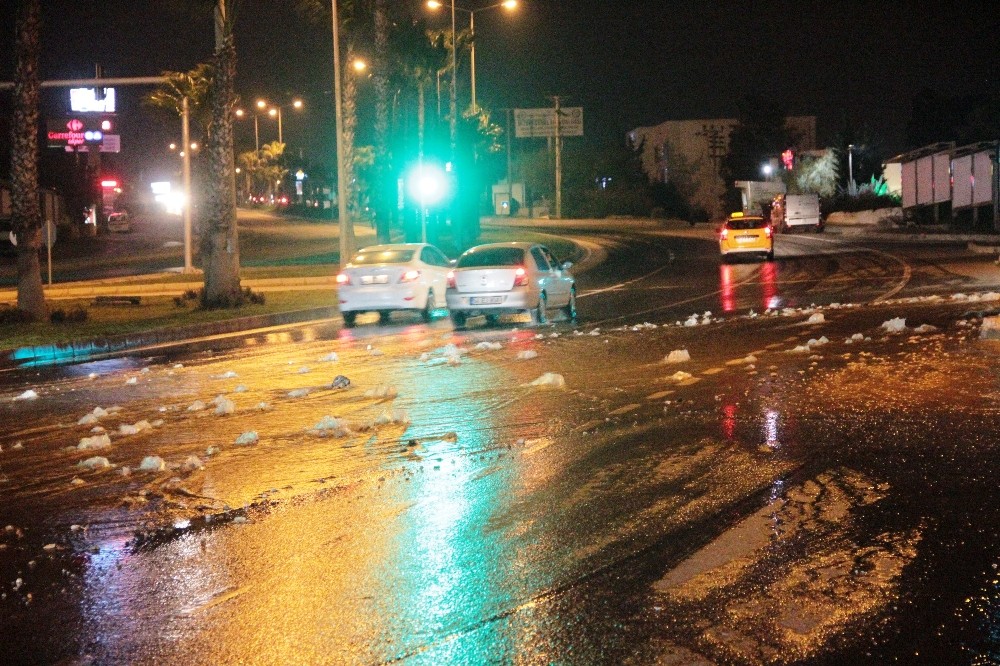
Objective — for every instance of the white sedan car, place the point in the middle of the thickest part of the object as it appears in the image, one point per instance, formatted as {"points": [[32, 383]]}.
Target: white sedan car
{"points": [[383, 278], [504, 278]]}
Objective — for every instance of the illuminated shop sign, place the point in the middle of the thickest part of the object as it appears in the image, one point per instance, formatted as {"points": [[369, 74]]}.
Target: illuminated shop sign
{"points": [[92, 100]]}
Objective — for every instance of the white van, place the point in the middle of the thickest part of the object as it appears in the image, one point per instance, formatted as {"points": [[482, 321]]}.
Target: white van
{"points": [[794, 211], [119, 222]]}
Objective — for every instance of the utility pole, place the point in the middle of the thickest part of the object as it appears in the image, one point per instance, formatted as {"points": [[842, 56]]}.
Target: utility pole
{"points": [[510, 182], [558, 142]]}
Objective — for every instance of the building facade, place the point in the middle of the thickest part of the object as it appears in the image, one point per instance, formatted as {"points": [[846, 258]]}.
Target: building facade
{"points": [[688, 153]]}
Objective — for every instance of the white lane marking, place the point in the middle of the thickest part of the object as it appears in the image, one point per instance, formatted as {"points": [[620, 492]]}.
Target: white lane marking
{"points": [[624, 284]]}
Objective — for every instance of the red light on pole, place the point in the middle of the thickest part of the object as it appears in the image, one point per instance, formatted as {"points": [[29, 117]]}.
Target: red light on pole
{"points": [[109, 183]]}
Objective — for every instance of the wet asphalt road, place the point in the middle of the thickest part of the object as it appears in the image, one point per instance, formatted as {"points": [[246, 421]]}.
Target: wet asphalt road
{"points": [[809, 487]]}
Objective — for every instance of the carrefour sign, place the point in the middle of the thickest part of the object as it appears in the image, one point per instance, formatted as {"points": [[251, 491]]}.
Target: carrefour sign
{"points": [[77, 131]]}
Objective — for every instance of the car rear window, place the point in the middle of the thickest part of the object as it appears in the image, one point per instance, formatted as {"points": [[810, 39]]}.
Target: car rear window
{"points": [[493, 256], [382, 257], [746, 223]]}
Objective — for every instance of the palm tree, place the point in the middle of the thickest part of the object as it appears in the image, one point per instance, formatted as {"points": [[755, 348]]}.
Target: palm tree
{"points": [[220, 248], [26, 214], [383, 157]]}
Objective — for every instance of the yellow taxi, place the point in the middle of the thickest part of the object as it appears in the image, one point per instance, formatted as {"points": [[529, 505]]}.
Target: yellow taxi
{"points": [[746, 234]]}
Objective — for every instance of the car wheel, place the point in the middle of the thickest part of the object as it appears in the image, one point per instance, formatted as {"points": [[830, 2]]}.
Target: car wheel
{"points": [[458, 320], [429, 308], [349, 318], [383, 317], [539, 315], [570, 309]]}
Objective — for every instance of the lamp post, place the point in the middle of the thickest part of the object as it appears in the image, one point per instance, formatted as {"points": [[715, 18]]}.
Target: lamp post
{"points": [[850, 167], [275, 112], [509, 5], [256, 132]]}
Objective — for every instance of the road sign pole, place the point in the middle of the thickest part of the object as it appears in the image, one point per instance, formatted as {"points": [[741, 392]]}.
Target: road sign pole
{"points": [[48, 244]]}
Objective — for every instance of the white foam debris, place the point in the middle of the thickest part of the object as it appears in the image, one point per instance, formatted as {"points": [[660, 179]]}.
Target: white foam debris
{"points": [[375, 352], [392, 416], [97, 430], [799, 349], [677, 356], [96, 442], [178, 366], [229, 374], [157, 423], [527, 355], [144, 371], [596, 331], [752, 314], [304, 369], [87, 419], [97, 462], [813, 342], [18, 445], [152, 464], [263, 406], [196, 406], [212, 450], [550, 380], [692, 321], [925, 328], [224, 406], [330, 358], [680, 376], [329, 426], [132, 380], [816, 318], [425, 357], [133, 429], [959, 297], [247, 439], [30, 394], [489, 346], [240, 388], [858, 337], [77, 528], [191, 463], [990, 328], [381, 391], [92, 375], [298, 393], [895, 325], [125, 470], [553, 335], [990, 296]]}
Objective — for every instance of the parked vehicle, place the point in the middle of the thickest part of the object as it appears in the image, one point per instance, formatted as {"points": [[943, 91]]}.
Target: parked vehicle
{"points": [[385, 278], [119, 223], [746, 234], [506, 278], [796, 211]]}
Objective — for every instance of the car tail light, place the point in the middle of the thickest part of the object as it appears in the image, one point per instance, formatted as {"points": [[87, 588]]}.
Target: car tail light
{"points": [[343, 278], [724, 234], [520, 277], [409, 276], [451, 280], [768, 231]]}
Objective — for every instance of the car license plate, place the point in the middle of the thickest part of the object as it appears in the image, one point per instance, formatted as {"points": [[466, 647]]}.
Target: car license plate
{"points": [[486, 300], [375, 279], [745, 239]]}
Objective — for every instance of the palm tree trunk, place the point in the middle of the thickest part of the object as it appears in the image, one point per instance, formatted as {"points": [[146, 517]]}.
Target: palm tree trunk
{"points": [[383, 169], [26, 213], [220, 247]]}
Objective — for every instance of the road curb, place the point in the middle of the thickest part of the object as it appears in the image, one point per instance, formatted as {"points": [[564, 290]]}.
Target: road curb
{"points": [[107, 347]]}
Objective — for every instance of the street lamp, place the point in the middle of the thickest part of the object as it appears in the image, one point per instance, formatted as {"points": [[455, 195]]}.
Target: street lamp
{"points": [[275, 112], [256, 131], [509, 5], [850, 167]]}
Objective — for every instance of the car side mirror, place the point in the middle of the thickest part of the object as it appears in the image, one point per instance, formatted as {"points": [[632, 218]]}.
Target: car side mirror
{"points": [[566, 265]]}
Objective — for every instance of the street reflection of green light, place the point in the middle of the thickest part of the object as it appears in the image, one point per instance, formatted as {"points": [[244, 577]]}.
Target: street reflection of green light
{"points": [[449, 573]]}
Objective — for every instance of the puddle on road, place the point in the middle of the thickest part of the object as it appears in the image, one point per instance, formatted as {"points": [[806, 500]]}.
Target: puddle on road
{"points": [[777, 586]]}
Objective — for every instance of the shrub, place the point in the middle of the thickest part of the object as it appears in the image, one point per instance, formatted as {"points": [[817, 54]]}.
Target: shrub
{"points": [[244, 297], [10, 315], [866, 200], [74, 315]]}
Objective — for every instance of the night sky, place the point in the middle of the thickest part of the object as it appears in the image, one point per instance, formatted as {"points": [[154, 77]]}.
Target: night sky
{"points": [[627, 63]]}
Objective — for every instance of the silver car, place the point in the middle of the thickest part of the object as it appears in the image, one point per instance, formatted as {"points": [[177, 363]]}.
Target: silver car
{"points": [[506, 278]]}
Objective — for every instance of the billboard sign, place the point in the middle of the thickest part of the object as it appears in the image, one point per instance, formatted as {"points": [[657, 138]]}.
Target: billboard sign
{"points": [[77, 131], [92, 100], [533, 123]]}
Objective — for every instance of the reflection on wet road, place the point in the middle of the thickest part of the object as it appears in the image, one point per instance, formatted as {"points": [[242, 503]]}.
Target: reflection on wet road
{"points": [[805, 486]]}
